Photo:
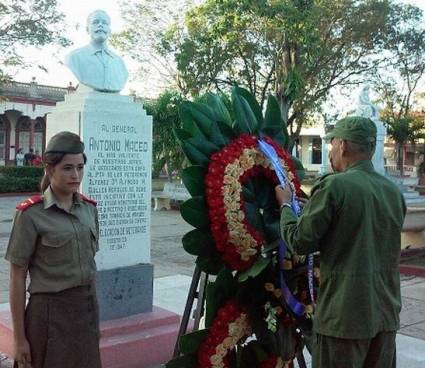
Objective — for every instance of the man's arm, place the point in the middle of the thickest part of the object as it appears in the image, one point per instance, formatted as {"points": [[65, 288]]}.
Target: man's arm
{"points": [[303, 234]]}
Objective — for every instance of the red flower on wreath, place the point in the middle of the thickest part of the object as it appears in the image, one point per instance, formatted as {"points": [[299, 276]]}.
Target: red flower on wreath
{"points": [[276, 362], [230, 168], [229, 326], [270, 362]]}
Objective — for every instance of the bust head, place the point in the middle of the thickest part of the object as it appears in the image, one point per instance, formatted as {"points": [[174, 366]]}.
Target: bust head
{"points": [[99, 26]]}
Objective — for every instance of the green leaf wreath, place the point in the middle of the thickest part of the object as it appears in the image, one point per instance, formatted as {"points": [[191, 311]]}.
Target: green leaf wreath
{"points": [[250, 320]]}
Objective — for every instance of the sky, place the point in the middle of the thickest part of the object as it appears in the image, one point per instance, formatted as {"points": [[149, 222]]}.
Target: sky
{"points": [[76, 12]]}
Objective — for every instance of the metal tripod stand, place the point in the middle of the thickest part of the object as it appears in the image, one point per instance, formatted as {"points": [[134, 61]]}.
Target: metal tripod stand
{"points": [[200, 279]]}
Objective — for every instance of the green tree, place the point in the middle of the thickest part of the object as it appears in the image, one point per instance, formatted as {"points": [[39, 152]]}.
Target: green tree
{"points": [[166, 150], [398, 81], [24, 23], [297, 49], [405, 68], [404, 130]]}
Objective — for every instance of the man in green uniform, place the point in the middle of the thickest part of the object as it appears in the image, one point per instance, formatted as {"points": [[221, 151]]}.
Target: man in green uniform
{"points": [[354, 218]]}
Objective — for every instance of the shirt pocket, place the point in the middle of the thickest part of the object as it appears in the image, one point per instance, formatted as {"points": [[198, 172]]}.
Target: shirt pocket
{"points": [[56, 248]]}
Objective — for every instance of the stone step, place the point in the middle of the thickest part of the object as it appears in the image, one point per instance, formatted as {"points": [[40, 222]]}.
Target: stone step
{"points": [[417, 200], [407, 181], [410, 181], [410, 195]]}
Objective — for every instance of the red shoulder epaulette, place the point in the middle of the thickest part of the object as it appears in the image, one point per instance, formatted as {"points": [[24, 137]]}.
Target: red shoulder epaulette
{"points": [[29, 202], [87, 199]]}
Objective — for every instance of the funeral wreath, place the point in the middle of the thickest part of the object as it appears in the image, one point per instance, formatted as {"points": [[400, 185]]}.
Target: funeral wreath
{"points": [[260, 306]]}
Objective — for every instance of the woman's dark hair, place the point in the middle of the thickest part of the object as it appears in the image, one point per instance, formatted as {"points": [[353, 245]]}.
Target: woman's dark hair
{"points": [[52, 159]]}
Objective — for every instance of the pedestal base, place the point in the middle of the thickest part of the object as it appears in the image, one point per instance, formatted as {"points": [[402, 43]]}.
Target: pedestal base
{"points": [[124, 291], [139, 341]]}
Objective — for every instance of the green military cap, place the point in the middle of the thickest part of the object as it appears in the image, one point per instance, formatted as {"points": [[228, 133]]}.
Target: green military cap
{"points": [[65, 142], [356, 129]]}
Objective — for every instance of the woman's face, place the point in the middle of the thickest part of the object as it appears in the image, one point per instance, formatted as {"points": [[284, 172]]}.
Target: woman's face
{"points": [[66, 176]]}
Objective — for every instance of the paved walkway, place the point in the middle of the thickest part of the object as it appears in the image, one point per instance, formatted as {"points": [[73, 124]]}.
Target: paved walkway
{"points": [[174, 267]]}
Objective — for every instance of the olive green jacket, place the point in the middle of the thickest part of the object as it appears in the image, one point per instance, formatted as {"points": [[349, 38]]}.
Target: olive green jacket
{"points": [[354, 218]]}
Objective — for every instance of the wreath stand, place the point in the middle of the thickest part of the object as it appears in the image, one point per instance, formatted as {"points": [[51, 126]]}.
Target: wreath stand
{"points": [[197, 291], [200, 279]]}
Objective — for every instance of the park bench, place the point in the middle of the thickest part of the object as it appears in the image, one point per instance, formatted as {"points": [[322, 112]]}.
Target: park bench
{"points": [[413, 232], [171, 192]]}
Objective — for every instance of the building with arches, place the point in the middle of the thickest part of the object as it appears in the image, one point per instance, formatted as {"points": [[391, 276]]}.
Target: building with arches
{"points": [[23, 111]]}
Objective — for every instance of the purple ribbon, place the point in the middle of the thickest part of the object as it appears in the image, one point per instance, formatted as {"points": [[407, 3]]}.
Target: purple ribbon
{"points": [[271, 154], [297, 307]]}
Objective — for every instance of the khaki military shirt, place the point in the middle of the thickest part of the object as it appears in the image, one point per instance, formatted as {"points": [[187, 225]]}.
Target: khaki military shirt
{"points": [[57, 246], [354, 219]]}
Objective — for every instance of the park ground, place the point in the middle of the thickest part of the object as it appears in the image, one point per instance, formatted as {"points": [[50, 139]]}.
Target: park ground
{"points": [[173, 268]]}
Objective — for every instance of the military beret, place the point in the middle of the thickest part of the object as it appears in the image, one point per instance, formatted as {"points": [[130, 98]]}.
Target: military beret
{"points": [[65, 142], [356, 129]]}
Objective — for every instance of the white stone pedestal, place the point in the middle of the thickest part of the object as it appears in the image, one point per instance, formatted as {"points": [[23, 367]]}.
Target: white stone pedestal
{"points": [[117, 135], [367, 109], [378, 157], [324, 166]]}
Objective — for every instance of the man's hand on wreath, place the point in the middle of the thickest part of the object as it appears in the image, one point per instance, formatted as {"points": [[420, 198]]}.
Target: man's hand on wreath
{"points": [[302, 201], [283, 195]]}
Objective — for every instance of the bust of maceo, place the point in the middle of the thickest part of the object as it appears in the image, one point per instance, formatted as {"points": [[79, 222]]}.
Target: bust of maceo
{"points": [[95, 65]]}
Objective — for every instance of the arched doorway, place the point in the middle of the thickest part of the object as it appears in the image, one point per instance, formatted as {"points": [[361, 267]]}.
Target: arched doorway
{"points": [[39, 130], [4, 139], [23, 133]]}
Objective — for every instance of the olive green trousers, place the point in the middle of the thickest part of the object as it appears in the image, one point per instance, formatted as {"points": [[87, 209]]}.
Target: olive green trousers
{"points": [[378, 352], [63, 329]]}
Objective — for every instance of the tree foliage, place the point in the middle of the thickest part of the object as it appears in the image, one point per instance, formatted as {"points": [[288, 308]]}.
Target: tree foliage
{"points": [[166, 150], [404, 130], [297, 49], [24, 23], [398, 81]]}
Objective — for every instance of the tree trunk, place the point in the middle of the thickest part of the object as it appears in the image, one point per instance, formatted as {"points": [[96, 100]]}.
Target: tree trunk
{"points": [[169, 172], [400, 158], [284, 108]]}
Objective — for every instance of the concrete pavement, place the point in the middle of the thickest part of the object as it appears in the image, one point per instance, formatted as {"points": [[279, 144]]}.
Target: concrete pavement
{"points": [[170, 293], [174, 267]]}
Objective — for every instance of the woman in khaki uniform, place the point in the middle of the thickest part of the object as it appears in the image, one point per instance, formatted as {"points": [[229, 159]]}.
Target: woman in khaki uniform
{"points": [[55, 238]]}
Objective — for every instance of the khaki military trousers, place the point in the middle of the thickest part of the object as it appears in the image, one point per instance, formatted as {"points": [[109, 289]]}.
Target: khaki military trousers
{"points": [[378, 352]]}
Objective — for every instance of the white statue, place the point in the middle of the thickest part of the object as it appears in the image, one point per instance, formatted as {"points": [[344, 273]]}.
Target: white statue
{"points": [[365, 107], [95, 65]]}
